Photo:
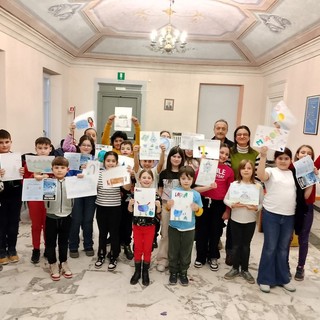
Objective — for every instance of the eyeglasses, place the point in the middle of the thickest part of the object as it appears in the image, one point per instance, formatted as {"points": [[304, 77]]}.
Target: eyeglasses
{"points": [[86, 145], [242, 134]]}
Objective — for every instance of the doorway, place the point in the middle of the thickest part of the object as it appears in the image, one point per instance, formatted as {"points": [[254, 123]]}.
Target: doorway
{"points": [[111, 96]]}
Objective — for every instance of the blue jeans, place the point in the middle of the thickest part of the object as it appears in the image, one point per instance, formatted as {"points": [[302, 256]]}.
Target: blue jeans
{"points": [[82, 215], [273, 267]]}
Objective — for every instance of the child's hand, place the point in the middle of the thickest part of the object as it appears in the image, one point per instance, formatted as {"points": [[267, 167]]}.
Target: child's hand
{"points": [[263, 151], [129, 169], [238, 205], [316, 171], [252, 207], [226, 215], [111, 118], [135, 120], [80, 175], [21, 171], [213, 185], [83, 166], [136, 148], [194, 206], [158, 204], [170, 204], [2, 172], [72, 127], [38, 176], [162, 147]]}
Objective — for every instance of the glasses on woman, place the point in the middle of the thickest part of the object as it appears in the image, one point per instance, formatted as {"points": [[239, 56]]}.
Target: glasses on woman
{"points": [[242, 134]]}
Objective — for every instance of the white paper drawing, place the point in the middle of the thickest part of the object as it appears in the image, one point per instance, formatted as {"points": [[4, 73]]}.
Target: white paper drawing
{"points": [[188, 138], [181, 210], [149, 145], [283, 116], [244, 193], [39, 163], [144, 202], [305, 172], [74, 160], [209, 149], [81, 187], [273, 138], [32, 190], [125, 161], [11, 163], [85, 120], [122, 121], [115, 177], [207, 172]]}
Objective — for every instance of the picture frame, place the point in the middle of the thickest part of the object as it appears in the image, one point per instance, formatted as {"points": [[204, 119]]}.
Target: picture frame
{"points": [[311, 118], [168, 104]]}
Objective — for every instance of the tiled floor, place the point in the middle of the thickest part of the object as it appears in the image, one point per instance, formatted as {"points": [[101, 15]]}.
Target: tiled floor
{"points": [[27, 292]]}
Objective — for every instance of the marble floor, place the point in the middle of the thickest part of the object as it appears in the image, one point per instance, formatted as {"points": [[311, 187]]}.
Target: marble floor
{"points": [[27, 292]]}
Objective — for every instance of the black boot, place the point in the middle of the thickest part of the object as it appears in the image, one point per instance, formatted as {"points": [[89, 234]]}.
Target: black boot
{"points": [[128, 252], [145, 274], [137, 273]]}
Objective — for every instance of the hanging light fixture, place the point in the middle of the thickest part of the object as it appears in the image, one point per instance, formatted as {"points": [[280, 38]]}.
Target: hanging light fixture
{"points": [[168, 39]]}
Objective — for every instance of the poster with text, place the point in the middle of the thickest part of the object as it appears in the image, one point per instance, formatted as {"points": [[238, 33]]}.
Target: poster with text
{"points": [[271, 137], [181, 210]]}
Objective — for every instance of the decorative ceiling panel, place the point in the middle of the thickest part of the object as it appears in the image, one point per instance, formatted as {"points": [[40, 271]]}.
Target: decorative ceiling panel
{"points": [[220, 32]]}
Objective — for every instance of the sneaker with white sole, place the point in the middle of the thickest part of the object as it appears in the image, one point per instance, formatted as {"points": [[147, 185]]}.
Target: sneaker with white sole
{"points": [[65, 270], [213, 263], [112, 265], [264, 288], [54, 271], [198, 264], [99, 262], [161, 267], [289, 287]]}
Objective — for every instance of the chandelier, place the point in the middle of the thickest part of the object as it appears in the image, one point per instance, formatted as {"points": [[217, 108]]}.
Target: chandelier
{"points": [[168, 39]]}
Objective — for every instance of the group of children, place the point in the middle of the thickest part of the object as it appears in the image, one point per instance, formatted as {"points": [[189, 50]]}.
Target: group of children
{"points": [[61, 220]]}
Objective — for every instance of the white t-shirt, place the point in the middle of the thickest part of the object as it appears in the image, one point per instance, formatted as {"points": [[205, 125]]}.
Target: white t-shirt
{"points": [[281, 192]]}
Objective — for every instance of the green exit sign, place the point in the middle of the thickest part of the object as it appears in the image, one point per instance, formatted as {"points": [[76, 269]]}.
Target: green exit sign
{"points": [[121, 75]]}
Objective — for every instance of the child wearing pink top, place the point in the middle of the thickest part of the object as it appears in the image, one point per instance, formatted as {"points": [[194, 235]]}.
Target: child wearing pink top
{"points": [[209, 226]]}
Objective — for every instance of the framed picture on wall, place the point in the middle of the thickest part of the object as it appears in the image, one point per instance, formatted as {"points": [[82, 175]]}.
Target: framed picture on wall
{"points": [[311, 117], [168, 104]]}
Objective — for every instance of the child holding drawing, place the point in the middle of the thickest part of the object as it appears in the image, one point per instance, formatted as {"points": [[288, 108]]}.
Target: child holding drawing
{"points": [[181, 232], [83, 209], [243, 217], [109, 214], [143, 232], [37, 210], [168, 179], [209, 226]]}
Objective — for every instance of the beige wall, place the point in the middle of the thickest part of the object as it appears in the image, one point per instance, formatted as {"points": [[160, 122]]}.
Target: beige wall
{"points": [[22, 62]]}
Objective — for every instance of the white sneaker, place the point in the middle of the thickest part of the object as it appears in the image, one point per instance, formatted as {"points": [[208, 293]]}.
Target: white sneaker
{"points": [[54, 271], [265, 288], [289, 287], [65, 270], [214, 266]]}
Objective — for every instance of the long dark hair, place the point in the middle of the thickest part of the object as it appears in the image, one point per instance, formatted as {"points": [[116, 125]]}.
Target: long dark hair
{"points": [[172, 152]]}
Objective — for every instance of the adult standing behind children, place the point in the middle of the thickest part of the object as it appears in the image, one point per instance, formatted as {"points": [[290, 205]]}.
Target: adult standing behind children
{"points": [[58, 223], [10, 206], [220, 130], [118, 136], [37, 210]]}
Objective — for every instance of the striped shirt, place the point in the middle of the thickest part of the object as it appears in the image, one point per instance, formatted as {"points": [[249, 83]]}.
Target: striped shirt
{"points": [[110, 197]]}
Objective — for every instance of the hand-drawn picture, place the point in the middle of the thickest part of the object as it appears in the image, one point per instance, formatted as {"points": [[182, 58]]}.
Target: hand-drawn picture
{"points": [[244, 193], [149, 145], [282, 115], [209, 149], [122, 121], [39, 163], [144, 202], [115, 177], [181, 210], [305, 172], [85, 120], [207, 172], [49, 189], [273, 138]]}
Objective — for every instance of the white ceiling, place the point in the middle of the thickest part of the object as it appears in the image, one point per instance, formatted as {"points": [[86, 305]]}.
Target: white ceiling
{"points": [[220, 32]]}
